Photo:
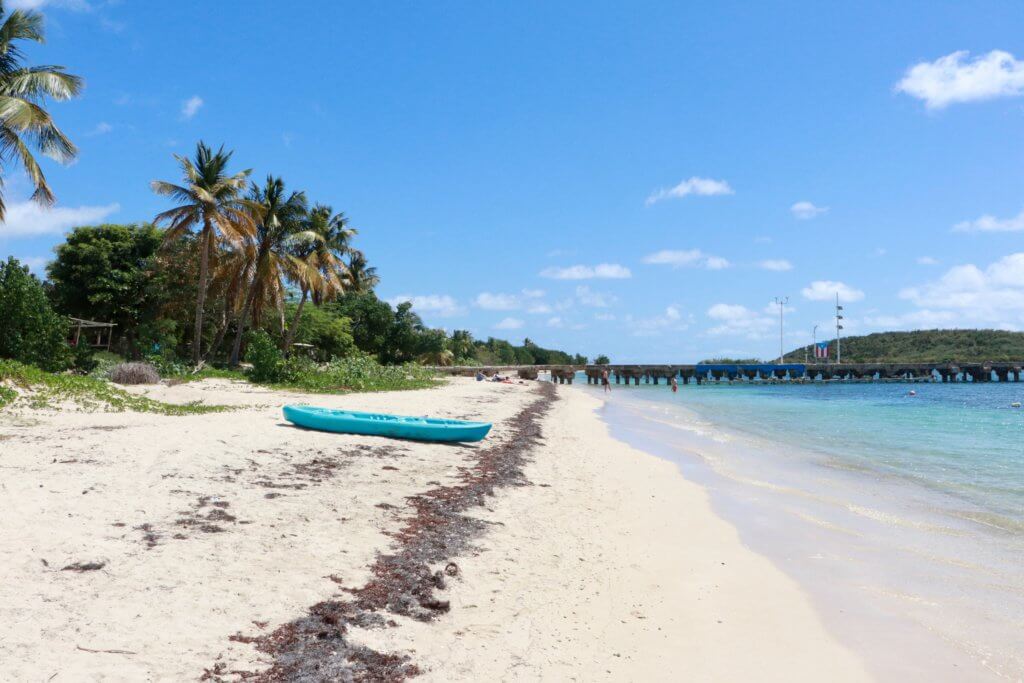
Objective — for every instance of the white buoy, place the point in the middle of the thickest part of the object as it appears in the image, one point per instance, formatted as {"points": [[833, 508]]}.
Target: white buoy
{"points": [[1015, 404]]}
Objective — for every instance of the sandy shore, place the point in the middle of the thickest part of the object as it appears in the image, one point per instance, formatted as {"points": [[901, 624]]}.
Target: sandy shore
{"points": [[558, 555]]}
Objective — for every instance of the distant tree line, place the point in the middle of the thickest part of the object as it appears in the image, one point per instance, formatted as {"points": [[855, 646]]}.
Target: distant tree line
{"points": [[926, 346]]}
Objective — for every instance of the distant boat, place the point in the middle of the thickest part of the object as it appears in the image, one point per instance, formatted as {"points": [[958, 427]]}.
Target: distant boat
{"points": [[380, 424]]}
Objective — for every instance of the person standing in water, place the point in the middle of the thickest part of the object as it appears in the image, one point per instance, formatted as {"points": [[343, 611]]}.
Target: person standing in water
{"points": [[675, 385], [604, 381]]}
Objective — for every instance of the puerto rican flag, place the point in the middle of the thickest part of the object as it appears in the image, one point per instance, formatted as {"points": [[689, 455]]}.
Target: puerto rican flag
{"points": [[821, 350]]}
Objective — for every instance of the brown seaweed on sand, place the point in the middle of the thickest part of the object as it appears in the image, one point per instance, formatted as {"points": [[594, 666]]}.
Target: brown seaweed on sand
{"points": [[316, 647]]}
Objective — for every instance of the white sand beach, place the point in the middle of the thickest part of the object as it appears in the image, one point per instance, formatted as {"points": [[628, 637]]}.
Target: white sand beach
{"points": [[607, 565]]}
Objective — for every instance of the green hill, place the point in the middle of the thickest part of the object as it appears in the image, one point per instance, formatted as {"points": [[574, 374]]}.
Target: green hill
{"points": [[927, 346]]}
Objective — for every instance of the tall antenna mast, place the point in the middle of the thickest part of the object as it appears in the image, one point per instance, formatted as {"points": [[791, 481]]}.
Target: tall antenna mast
{"points": [[839, 331], [781, 303]]}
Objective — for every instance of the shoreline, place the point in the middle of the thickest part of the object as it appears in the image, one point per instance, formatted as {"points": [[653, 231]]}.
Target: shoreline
{"points": [[604, 562], [919, 595]]}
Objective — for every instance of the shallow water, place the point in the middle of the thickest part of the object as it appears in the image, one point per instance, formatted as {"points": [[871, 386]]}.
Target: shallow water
{"points": [[902, 515]]}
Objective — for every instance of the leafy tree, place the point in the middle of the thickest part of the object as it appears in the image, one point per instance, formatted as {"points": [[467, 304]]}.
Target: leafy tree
{"points": [[210, 200], [278, 217], [104, 272], [371, 320], [327, 331], [433, 348], [602, 360], [22, 92], [402, 343], [32, 332]]}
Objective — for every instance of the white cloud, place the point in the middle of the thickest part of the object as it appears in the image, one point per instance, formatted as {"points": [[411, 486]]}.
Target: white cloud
{"points": [[778, 265], [927, 261], [954, 78], [989, 223], [190, 107], [533, 293], [669, 320], [30, 219], [102, 128], [716, 263], [992, 295], [589, 297], [736, 320], [509, 324], [683, 258], [806, 210], [497, 302], [697, 186], [37, 264], [604, 317], [538, 308], [825, 290], [554, 322], [601, 270], [439, 304]]}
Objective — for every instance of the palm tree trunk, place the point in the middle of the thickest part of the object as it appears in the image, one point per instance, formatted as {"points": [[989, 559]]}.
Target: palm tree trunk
{"points": [[294, 327], [225, 319], [204, 274], [236, 349]]}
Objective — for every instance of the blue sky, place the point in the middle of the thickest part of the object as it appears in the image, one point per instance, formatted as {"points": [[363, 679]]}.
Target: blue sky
{"points": [[636, 179]]}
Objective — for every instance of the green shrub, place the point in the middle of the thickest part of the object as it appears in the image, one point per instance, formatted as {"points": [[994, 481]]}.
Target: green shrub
{"points": [[45, 389], [31, 332], [83, 359], [266, 359], [357, 373]]}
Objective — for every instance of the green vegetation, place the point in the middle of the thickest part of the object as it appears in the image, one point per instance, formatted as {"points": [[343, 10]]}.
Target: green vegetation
{"points": [[44, 389], [356, 373], [928, 346], [731, 361], [229, 261], [31, 331], [106, 272], [602, 360]]}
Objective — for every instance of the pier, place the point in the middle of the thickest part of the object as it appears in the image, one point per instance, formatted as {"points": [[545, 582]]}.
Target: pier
{"points": [[766, 372]]}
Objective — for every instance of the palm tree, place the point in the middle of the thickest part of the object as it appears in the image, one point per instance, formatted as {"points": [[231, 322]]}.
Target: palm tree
{"points": [[211, 200], [361, 277], [22, 90], [325, 255], [279, 225]]}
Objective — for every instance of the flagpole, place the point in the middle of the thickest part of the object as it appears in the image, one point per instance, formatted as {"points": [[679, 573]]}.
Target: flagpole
{"points": [[839, 334]]}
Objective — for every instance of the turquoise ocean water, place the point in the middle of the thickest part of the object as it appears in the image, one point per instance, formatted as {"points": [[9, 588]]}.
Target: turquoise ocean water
{"points": [[902, 515]]}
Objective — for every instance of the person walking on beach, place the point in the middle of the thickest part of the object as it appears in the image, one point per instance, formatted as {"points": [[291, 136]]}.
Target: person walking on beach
{"points": [[675, 385], [604, 381]]}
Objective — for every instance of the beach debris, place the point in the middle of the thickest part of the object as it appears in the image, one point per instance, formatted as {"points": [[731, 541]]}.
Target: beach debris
{"points": [[316, 646], [84, 566], [109, 652], [134, 373]]}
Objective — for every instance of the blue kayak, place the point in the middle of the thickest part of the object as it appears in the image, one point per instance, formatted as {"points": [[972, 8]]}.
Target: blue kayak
{"points": [[379, 424]]}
